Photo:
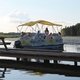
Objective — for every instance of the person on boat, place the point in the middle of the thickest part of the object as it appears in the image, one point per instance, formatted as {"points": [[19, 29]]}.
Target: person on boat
{"points": [[38, 33], [22, 34], [50, 36], [46, 31], [37, 37], [51, 39], [46, 36], [58, 38], [59, 33]]}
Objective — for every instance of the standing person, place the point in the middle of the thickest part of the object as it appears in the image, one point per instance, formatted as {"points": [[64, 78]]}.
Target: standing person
{"points": [[46, 37], [46, 31]]}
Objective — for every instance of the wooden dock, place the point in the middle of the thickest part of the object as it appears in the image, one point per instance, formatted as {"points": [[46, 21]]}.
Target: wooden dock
{"points": [[43, 55], [31, 67], [39, 54]]}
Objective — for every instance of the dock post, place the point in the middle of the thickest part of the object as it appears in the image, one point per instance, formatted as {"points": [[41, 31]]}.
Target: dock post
{"points": [[18, 59], [25, 59], [46, 61], [75, 63], [55, 62], [4, 43]]}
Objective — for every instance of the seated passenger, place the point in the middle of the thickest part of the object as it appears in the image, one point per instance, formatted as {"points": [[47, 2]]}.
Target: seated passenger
{"points": [[37, 36], [22, 34], [50, 36]]}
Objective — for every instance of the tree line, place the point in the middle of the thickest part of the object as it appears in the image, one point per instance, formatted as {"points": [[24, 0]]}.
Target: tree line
{"points": [[10, 34], [73, 30]]}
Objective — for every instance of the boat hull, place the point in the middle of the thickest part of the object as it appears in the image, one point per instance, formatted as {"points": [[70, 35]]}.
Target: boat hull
{"points": [[50, 47]]}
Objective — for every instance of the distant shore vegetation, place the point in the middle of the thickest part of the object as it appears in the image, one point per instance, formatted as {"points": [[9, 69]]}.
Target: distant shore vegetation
{"points": [[73, 30], [10, 35]]}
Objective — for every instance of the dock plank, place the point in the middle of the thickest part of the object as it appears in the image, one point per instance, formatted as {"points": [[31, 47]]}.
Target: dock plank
{"points": [[50, 55]]}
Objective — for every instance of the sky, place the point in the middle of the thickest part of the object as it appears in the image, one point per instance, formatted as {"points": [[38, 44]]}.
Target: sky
{"points": [[16, 12]]}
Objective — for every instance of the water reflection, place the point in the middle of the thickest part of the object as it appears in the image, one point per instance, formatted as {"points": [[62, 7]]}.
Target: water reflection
{"points": [[72, 48], [2, 72], [40, 68]]}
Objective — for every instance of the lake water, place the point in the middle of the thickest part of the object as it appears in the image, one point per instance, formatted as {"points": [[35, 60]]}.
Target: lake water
{"points": [[21, 74]]}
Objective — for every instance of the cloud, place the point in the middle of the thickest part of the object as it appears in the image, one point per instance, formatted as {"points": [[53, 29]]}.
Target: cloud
{"points": [[19, 16], [6, 25], [9, 22]]}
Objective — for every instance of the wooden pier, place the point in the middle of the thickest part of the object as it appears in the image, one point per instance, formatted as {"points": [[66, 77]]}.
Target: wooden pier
{"points": [[40, 54], [43, 55], [31, 67]]}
